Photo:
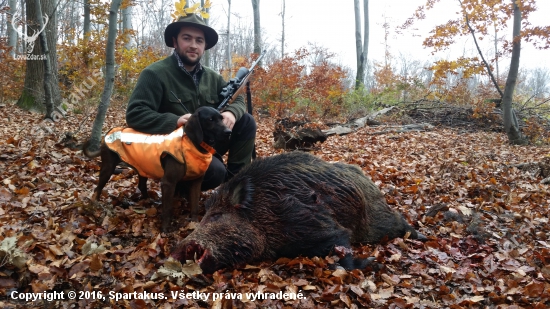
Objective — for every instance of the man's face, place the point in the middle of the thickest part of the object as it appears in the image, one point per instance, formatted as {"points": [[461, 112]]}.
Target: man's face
{"points": [[190, 45]]}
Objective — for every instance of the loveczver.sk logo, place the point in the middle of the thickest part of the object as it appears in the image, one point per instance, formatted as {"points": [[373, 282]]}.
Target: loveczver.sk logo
{"points": [[29, 40]]}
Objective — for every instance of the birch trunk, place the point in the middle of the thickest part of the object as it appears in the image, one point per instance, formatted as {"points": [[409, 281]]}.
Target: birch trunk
{"points": [[361, 46], [127, 26], [12, 34]]}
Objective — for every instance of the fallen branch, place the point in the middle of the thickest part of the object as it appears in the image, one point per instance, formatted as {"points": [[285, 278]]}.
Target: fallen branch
{"points": [[525, 165], [541, 168], [417, 127]]}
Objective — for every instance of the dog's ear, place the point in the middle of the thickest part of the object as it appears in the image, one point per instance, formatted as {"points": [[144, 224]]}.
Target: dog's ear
{"points": [[193, 128]]}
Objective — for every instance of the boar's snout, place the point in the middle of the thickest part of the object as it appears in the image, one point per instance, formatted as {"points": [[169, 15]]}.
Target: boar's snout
{"points": [[194, 251]]}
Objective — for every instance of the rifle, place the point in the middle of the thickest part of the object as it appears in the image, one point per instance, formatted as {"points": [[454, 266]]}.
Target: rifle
{"points": [[234, 87]]}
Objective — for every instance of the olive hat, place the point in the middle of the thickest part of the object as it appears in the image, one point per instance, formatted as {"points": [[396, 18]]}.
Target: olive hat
{"points": [[191, 20]]}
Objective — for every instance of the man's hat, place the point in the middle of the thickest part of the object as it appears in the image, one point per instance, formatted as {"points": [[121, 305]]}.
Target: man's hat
{"points": [[191, 20]]}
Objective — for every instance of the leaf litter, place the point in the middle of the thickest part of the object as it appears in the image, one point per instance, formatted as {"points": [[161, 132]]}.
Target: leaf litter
{"points": [[486, 220]]}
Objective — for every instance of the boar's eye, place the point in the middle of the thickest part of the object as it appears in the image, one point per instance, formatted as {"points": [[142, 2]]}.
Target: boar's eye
{"points": [[214, 217]]}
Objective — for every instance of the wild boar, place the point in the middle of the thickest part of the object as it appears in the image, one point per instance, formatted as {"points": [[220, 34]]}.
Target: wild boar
{"points": [[290, 205]]}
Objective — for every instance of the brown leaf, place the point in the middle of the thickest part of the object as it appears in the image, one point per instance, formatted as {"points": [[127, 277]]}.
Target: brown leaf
{"points": [[534, 289], [78, 268], [7, 283], [95, 263], [5, 195]]}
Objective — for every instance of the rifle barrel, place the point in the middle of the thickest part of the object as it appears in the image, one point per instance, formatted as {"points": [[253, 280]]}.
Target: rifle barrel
{"points": [[242, 76]]}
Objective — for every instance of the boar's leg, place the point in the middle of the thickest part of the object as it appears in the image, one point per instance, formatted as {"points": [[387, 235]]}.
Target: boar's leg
{"points": [[313, 232]]}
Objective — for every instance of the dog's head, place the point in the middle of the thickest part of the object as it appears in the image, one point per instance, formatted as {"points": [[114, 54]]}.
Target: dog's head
{"points": [[206, 125]]}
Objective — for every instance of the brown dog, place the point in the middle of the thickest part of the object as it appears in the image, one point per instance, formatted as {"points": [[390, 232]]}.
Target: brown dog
{"points": [[171, 158]]}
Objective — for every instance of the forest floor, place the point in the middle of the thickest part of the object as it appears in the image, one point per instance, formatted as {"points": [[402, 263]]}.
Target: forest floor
{"points": [[486, 220]]}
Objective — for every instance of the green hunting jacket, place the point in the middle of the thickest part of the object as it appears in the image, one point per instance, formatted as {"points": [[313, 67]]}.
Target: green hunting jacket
{"points": [[153, 108]]}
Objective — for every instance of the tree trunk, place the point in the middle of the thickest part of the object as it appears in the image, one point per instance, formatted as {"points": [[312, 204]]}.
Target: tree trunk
{"points": [[228, 55], [95, 139], [47, 64], [86, 29], [206, 53], [257, 29], [12, 34], [510, 126], [86, 18], [283, 33], [361, 47], [365, 37], [22, 44], [32, 97], [127, 26], [496, 53]]}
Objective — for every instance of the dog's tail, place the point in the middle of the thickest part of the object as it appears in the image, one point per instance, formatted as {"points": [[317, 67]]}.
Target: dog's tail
{"points": [[87, 152]]}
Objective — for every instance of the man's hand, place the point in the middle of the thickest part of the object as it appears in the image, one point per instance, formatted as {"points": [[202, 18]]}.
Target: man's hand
{"points": [[228, 119], [183, 120]]}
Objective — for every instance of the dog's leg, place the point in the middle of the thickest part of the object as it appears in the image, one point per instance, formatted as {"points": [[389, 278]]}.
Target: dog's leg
{"points": [[109, 160], [173, 172], [194, 196], [142, 185]]}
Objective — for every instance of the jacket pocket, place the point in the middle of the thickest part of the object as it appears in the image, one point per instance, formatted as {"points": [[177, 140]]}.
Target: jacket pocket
{"points": [[186, 105], [212, 100]]}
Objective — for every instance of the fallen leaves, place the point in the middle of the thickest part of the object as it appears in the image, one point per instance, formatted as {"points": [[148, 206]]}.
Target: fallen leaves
{"points": [[10, 254], [487, 224]]}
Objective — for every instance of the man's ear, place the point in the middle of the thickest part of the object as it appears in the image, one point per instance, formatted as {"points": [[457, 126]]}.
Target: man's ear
{"points": [[174, 42]]}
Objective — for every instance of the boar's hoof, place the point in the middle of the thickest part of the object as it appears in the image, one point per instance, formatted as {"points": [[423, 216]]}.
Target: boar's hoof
{"points": [[421, 236], [350, 263]]}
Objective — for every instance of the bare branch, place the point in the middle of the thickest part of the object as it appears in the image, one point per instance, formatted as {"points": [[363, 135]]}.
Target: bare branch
{"points": [[489, 71]]}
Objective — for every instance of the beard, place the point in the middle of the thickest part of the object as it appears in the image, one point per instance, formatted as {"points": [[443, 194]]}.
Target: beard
{"points": [[186, 60]]}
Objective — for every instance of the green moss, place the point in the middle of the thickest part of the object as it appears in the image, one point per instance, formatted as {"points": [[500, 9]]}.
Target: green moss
{"points": [[28, 102]]}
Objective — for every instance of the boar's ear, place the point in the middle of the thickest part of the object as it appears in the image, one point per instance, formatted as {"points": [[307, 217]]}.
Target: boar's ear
{"points": [[242, 194]]}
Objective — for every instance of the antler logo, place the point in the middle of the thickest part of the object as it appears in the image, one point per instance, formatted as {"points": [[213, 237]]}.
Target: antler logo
{"points": [[28, 39]]}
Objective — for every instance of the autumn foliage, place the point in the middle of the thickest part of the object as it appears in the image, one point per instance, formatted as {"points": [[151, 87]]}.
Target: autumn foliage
{"points": [[12, 76], [79, 62], [480, 20], [295, 83]]}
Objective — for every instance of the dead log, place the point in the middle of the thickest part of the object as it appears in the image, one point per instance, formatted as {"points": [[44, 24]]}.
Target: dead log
{"points": [[294, 134], [541, 168], [358, 123]]}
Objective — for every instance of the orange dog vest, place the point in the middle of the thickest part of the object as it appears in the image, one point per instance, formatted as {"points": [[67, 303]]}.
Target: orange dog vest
{"points": [[144, 151]]}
